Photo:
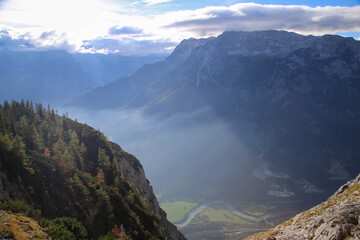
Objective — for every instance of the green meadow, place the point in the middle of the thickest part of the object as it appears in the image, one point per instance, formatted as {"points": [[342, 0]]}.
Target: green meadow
{"points": [[176, 211]]}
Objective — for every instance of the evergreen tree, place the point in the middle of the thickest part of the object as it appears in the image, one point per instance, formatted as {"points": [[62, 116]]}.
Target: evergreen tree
{"points": [[68, 169]]}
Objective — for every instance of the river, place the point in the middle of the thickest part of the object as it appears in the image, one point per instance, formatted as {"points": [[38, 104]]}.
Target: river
{"points": [[201, 207]]}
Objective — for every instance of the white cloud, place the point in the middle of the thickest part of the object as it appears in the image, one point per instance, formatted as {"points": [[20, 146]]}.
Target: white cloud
{"points": [[93, 20], [152, 2], [12, 40], [115, 30], [80, 19], [251, 16], [128, 46]]}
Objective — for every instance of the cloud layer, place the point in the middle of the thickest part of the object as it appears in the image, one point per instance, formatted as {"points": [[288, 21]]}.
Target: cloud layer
{"points": [[128, 46], [115, 30], [251, 16], [107, 26], [152, 2], [23, 42]]}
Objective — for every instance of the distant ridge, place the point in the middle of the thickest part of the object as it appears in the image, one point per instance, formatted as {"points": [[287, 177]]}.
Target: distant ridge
{"points": [[58, 76]]}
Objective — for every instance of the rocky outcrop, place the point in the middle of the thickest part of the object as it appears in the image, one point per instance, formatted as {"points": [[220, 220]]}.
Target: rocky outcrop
{"points": [[184, 49], [335, 219], [137, 176]]}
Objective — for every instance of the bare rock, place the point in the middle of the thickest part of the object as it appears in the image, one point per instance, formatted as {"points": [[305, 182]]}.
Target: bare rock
{"points": [[335, 219]]}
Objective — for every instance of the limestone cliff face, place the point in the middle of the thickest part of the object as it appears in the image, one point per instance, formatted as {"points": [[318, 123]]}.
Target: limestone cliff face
{"points": [[335, 219], [136, 175]]}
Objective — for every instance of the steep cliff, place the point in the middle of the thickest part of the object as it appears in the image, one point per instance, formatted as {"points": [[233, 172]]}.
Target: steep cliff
{"points": [[137, 176]]}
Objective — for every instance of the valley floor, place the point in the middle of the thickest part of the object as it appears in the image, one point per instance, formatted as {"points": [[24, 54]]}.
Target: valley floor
{"points": [[220, 220]]}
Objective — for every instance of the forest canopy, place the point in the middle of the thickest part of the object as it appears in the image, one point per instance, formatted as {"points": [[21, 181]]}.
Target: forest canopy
{"points": [[68, 169]]}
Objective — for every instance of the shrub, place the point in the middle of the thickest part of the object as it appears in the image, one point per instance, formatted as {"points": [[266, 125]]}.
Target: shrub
{"points": [[17, 206], [64, 228]]}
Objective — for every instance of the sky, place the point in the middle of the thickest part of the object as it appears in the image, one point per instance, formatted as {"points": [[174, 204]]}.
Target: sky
{"points": [[145, 27]]}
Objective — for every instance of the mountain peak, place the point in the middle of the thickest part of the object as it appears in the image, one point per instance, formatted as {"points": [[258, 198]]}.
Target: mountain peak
{"points": [[267, 42], [184, 49]]}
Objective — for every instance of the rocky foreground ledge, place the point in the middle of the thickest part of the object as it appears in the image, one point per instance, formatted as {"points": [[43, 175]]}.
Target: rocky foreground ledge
{"points": [[335, 219]]}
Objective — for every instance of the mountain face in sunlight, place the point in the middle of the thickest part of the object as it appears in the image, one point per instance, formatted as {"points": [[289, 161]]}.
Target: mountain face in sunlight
{"points": [[132, 87], [57, 76], [292, 100], [70, 170]]}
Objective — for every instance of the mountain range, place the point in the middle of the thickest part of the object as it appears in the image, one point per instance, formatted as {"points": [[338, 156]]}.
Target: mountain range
{"points": [[55, 77], [269, 118], [291, 99]]}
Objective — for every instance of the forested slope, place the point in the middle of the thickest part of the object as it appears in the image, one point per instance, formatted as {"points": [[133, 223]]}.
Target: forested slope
{"points": [[69, 169]]}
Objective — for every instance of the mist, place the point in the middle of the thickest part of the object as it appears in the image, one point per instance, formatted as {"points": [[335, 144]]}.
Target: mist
{"points": [[187, 155]]}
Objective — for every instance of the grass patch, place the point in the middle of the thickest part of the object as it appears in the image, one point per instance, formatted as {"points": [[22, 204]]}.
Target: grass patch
{"points": [[222, 215], [176, 211], [20, 227], [255, 211]]}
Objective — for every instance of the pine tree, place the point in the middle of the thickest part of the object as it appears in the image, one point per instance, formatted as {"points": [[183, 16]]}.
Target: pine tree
{"points": [[74, 149], [103, 159]]}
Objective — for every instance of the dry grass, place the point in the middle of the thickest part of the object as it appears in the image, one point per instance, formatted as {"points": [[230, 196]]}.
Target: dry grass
{"points": [[20, 227], [263, 235]]}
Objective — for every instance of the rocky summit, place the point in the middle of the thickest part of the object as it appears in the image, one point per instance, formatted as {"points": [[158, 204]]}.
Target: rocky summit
{"points": [[335, 219]]}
